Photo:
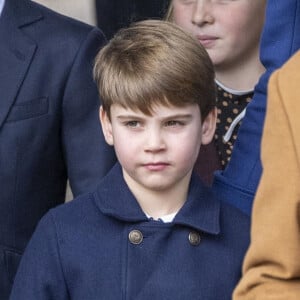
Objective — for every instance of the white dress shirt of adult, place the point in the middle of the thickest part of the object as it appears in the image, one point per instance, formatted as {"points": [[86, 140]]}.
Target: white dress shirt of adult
{"points": [[1, 6]]}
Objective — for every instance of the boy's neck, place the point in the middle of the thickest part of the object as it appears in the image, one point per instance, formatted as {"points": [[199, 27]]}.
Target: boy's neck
{"points": [[242, 75], [159, 203]]}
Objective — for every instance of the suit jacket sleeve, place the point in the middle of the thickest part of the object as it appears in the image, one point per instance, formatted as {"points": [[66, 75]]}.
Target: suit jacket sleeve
{"points": [[87, 156], [272, 266]]}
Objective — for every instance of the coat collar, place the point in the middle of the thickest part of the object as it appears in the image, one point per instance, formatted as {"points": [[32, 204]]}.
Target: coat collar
{"points": [[201, 211], [16, 49]]}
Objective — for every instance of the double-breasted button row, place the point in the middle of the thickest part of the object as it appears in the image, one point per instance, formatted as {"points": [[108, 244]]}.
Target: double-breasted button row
{"points": [[136, 237]]}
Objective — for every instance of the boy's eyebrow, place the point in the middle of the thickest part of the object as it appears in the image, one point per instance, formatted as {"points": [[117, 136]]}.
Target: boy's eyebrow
{"points": [[128, 116], [179, 116], [176, 116]]}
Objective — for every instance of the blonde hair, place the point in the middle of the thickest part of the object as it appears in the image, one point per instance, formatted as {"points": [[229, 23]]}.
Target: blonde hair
{"points": [[154, 62]]}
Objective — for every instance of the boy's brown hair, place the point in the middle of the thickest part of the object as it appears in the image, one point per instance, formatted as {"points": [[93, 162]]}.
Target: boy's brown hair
{"points": [[154, 62]]}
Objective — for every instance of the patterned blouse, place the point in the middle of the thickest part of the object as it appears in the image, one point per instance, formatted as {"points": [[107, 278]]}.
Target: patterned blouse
{"points": [[231, 107]]}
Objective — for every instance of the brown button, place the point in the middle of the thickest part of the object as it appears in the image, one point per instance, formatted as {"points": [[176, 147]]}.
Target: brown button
{"points": [[194, 238], [135, 237]]}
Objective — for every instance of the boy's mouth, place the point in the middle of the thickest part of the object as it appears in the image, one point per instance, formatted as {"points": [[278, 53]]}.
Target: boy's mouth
{"points": [[157, 166]]}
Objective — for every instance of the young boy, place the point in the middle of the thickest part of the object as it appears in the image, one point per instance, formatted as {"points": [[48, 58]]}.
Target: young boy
{"points": [[151, 230]]}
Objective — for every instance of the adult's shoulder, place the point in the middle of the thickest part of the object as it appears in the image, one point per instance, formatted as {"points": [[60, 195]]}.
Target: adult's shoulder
{"points": [[50, 23]]}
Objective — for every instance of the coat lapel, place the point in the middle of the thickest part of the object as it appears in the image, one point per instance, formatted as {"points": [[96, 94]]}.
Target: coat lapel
{"points": [[16, 52]]}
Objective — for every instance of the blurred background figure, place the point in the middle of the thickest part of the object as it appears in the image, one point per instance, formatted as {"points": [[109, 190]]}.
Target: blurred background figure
{"points": [[48, 114], [237, 184], [231, 38]]}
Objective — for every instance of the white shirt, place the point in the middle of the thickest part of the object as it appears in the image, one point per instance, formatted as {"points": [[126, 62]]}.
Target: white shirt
{"points": [[1, 6], [166, 219]]}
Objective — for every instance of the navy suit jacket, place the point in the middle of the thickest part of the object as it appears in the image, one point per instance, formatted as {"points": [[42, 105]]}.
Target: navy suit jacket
{"points": [[115, 14], [49, 127]]}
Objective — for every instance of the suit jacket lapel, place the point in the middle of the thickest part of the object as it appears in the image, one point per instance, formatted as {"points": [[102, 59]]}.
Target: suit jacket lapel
{"points": [[16, 52]]}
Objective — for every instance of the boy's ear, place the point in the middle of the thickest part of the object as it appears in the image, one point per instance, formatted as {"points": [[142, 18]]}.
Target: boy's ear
{"points": [[209, 127], [106, 126]]}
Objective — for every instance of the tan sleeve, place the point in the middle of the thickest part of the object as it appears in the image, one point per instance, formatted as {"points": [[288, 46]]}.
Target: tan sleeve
{"points": [[271, 267]]}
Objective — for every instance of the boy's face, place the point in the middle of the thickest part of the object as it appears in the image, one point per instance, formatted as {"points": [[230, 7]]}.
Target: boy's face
{"points": [[228, 29], [158, 151]]}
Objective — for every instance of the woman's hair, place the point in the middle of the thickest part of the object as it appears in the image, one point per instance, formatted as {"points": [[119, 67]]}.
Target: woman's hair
{"points": [[154, 62]]}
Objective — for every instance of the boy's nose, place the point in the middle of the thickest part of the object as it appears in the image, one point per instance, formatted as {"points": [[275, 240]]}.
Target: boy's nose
{"points": [[202, 13], [154, 141]]}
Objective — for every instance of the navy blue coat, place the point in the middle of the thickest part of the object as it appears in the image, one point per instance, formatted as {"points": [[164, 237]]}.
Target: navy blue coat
{"points": [[82, 250], [237, 184], [49, 126]]}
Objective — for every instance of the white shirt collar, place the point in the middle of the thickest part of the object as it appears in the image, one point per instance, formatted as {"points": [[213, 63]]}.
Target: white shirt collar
{"points": [[232, 91], [166, 218], [1, 6]]}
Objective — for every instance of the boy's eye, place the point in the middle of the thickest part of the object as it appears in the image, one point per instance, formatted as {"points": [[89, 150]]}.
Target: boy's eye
{"points": [[174, 123], [132, 124]]}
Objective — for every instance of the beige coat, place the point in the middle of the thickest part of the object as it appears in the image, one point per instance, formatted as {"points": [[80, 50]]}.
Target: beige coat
{"points": [[272, 265]]}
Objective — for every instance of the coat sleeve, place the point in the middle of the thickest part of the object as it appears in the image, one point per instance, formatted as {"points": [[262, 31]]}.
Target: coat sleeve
{"points": [[40, 274], [272, 266], [88, 158]]}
